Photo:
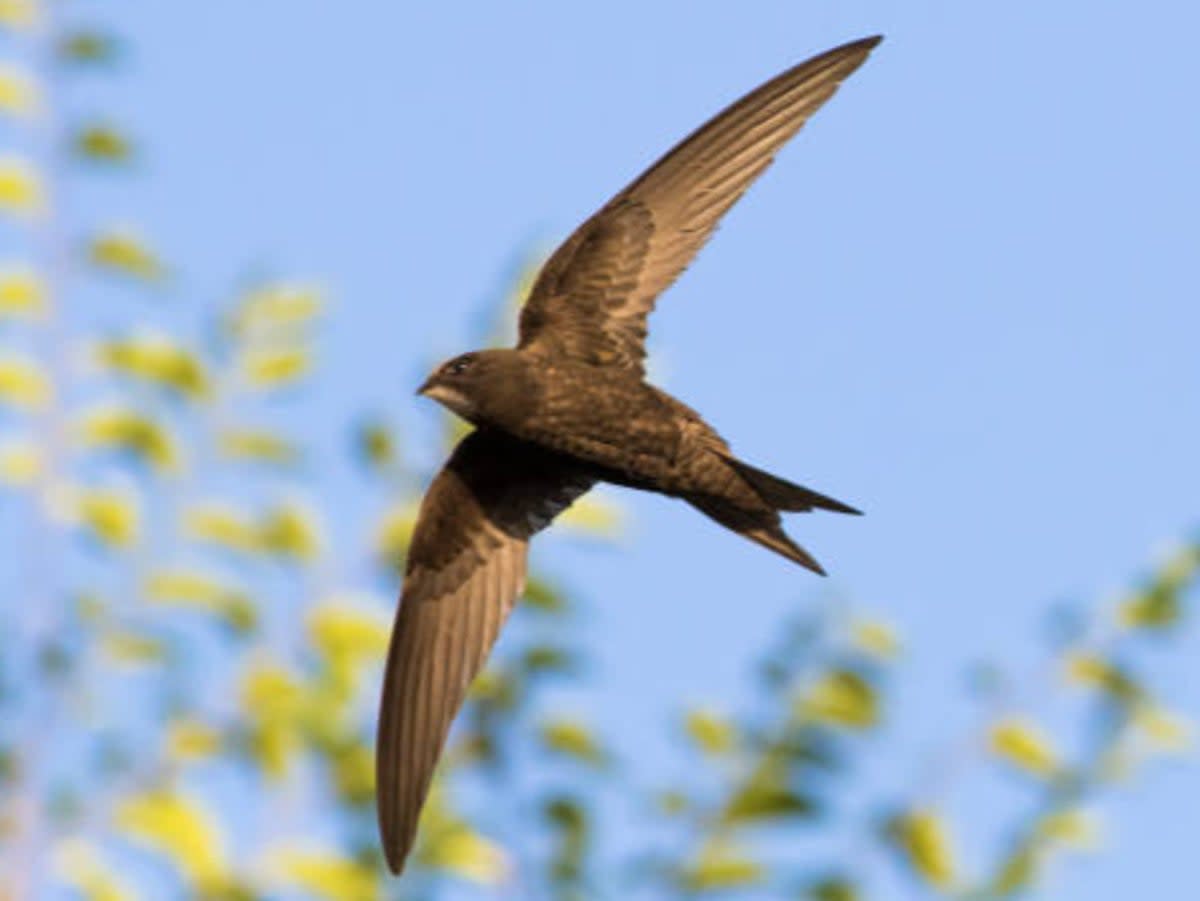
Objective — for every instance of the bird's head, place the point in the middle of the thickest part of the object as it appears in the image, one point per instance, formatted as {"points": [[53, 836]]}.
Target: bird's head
{"points": [[478, 386]]}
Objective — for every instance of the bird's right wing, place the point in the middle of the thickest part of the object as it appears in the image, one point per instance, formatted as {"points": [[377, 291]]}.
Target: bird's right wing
{"points": [[592, 297], [465, 570]]}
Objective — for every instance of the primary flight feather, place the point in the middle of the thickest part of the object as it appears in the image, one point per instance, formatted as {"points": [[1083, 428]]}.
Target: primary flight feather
{"points": [[569, 407]]}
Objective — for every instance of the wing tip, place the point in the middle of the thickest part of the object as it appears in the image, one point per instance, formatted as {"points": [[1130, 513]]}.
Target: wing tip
{"points": [[866, 45], [397, 843]]}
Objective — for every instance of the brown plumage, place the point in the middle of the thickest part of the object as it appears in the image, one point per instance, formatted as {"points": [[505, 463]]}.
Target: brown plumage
{"points": [[569, 407]]}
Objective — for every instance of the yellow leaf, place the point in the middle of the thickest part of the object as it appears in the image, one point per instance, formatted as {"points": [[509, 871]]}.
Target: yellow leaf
{"points": [[842, 697], [22, 294], [1074, 829], [1019, 871], [923, 837], [291, 530], [1025, 746], [158, 360], [132, 649], [465, 853], [1093, 671], [276, 310], [273, 702], [393, 534], [191, 739], [20, 462], [223, 525], [18, 95], [88, 47], [124, 252], [275, 368], [1165, 730], [711, 731], [257, 446], [349, 632], [324, 874], [196, 590], [123, 429], [18, 14], [834, 888], [720, 867], [574, 739], [594, 516], [112, 517], [84, 869], [354, 774], [875, 638], [23, 383], [103, 143], [20, 187], [180, 828], [376, 445]]}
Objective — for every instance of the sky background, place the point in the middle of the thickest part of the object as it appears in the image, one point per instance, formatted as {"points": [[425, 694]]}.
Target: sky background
{"points": [[963, 300]]}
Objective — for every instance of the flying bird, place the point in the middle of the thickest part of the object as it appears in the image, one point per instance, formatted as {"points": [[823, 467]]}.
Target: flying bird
{"points": [[568, 407]]}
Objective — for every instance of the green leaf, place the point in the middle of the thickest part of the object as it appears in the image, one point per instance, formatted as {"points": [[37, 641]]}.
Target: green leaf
{"points": [[89, 47], [842, 697], [545, 658], [569, 817], [573, 739], [721, 867], [1025, 746], [711, 732], [1094, 671], [923, 838], [542, 596], [673, 803], [375, 445], [99, 143], [762, 800], [122, 252], [834, 888], [1017, 873]]}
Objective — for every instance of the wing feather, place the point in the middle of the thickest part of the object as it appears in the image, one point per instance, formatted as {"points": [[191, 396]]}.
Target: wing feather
{"points": [[591, 299], [465, 570]]}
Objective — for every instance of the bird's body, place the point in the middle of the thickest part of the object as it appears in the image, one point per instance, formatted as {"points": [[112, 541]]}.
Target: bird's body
{"points": [[616, 427], [569, 406]]}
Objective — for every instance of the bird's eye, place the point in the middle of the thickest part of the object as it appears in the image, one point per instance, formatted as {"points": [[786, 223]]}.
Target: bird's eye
{"points": [[460, 365]]}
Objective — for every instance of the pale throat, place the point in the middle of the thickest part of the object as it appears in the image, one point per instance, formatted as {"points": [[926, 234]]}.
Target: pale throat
{"points": [[452, 399]]}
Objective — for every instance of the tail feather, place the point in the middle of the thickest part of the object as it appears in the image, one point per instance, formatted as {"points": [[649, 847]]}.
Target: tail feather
{"points": [[762, 527], [784, 495]]}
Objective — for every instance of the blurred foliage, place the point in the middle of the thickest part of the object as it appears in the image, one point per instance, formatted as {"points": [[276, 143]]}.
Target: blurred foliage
{"points": [[189, 675]]}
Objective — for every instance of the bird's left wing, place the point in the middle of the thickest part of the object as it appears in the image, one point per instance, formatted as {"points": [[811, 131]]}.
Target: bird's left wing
{"points": [[465, 570], [591, 299]]}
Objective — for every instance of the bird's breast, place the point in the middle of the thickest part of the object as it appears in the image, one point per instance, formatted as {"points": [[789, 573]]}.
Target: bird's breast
{"points": [[612, 421]]}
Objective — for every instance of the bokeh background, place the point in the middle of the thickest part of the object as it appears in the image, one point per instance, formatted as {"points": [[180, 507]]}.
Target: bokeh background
{"points": [[236, 235]]}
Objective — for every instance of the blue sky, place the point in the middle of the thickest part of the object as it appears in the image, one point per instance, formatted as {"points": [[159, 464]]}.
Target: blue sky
{"points": [[963, 299]]}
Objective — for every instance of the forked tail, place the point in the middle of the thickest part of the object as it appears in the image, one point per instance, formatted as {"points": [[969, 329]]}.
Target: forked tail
{"points": [[761, 526], [784, 495]]}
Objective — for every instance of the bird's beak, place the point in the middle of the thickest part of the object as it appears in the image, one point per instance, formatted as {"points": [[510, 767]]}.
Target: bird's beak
{"points": [[425, 386]]}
